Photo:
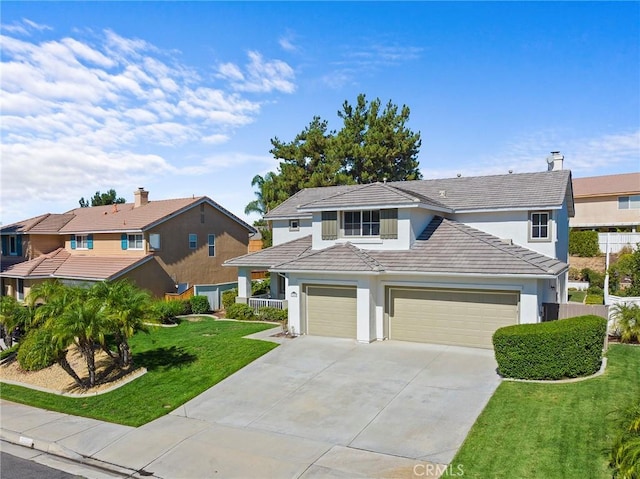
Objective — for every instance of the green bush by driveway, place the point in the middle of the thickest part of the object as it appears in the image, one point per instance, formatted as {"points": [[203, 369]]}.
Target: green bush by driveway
{"points": [[558, 349]]}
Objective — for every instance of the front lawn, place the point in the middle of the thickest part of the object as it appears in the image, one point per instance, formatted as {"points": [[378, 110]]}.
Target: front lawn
{"points": [[530, 430], [577, 296], [182, 362]]}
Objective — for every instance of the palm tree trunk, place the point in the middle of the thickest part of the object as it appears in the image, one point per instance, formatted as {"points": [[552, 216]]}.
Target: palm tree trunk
{"points": [[62, 361], [125, 354], [91, 364]]}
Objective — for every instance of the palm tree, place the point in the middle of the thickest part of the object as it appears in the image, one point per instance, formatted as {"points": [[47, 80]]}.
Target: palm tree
{"points": [[14, 315], [84, 320], [626, 318], [125, 306], [56, 297]]}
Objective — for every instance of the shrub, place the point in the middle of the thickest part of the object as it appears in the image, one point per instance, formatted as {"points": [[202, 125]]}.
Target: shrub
{"points": [[565, 348], [594, 278], [272, 314], [596, 290], [259, 287], [625, 453], [240, 311], [33, 353], [199, 304], [583, 243], [229, 297], [5, 353], [574, 274], [166, 311], [595, 299], [186, 306], [626, 317]]}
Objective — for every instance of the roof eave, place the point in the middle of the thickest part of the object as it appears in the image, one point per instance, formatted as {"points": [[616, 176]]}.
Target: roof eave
{"points": [[381, 207], [508, 208]]}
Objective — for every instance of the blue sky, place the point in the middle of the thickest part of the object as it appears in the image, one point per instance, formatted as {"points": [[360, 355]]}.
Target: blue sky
{"points": [[182, 98]]}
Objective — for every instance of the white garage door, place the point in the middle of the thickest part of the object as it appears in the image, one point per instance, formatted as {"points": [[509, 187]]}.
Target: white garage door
{"points": [[462, 318], [331, 311]]}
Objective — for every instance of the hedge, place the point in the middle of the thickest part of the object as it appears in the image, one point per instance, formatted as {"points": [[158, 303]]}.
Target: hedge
{"points": [[199, 304], [583, 243], [566, 348], [240, 311]]}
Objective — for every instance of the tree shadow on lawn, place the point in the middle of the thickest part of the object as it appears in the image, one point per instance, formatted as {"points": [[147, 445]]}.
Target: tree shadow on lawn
{"points": [[164, 358]]}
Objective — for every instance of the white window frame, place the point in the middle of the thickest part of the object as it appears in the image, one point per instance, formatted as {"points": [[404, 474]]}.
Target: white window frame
{"points": [[539, 225], [373, 231], [629, 202], [193, 239], [211, 243], [154, 241], [294, 225], [82, 241], [136, 237]]}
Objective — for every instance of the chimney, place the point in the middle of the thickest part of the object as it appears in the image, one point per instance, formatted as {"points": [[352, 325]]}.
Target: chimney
{"points": [[554, 162], [141, 197]]}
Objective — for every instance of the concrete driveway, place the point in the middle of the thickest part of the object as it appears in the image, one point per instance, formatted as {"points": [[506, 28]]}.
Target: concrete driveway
{"points": [[313, 407]]}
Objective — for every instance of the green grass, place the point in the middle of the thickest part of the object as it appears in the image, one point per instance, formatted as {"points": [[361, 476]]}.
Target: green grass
{"points": [[594, 299], [532, 430], [577, 296], [182, 362]]}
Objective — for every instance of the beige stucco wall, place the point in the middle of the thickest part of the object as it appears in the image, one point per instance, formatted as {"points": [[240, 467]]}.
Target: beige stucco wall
{"points": [[602, 211], [152, 277], [196, 266], [37, 245]]}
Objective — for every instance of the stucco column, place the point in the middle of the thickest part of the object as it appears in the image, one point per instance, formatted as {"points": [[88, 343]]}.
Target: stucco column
{"points": [[244, 285], [363, 312], [294, 301]]}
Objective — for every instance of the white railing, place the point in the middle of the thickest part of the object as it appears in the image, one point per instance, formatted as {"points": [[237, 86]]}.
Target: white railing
{"points": [[617, 241], [257, 303]]}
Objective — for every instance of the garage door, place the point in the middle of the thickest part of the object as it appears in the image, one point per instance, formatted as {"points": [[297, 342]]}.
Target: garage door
{"points": [[331, 311], [462, 318]]}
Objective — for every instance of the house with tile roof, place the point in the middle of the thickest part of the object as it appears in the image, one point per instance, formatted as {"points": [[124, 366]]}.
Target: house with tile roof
{"points": [[157, 244], [607, 203], [441, 261]]}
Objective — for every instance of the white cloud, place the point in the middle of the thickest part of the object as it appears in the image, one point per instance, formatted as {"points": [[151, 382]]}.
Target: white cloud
{"points": [[584, 156], [101, 110], [286, 43], [260, 75], [25, 27]]}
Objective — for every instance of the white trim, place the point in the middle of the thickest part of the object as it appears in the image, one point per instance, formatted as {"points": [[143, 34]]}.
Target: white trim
{"points": [[522, 208], [419, 273], [382, 206]]}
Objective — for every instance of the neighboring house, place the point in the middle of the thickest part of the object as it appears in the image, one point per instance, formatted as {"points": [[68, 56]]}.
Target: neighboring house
{"points": [[157, 244], [607, 203], [442, 261]]}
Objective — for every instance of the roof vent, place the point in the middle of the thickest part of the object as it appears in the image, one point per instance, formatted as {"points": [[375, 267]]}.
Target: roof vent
{"points": [[554, 162], [510, 172], [443, 193], [459, 175]]}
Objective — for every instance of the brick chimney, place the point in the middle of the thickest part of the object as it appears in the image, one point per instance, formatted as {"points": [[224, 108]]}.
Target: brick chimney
{"points": [[141, 197]]}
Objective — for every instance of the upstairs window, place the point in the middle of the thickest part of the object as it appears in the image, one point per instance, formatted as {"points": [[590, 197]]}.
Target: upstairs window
{"points": [[361, 223], [211, 242], [12, 245], [132, 241], [540, 225], [629, 202], [294, 225], [193, 241], [81, 241]]}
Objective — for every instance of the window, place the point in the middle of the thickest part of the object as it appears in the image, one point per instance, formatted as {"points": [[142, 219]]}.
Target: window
{"points": [[134, 241], [211, 241], [362, 223], [81, 241], [540, 226], [154, 241], [294, 225], [193, 241], [629, 202], [13, 245]]}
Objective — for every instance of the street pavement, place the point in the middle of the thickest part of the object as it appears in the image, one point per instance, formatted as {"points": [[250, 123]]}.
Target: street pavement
{"points": [[313, 407]]}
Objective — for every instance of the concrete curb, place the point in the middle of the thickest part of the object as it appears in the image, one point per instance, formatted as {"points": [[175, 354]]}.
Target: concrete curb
{"points": [[57, 450]]}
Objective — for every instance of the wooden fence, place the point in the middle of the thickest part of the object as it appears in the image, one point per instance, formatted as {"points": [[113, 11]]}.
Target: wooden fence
{"points": [[179, 296], [553, 311]]}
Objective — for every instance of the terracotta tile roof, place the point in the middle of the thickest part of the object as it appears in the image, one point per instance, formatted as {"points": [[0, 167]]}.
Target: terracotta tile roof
{"points": [[43, 224], [64, 265], [445, 246], [124, 217], [626, 183], [7, 262], [548, 189]]}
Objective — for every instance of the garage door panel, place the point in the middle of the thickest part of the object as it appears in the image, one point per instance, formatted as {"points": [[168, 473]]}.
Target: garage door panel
{"points": [[331, 311], [450, 317]]}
